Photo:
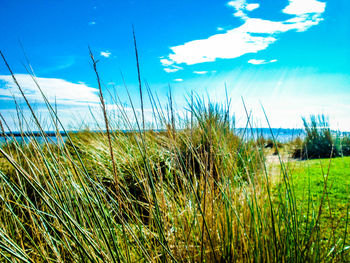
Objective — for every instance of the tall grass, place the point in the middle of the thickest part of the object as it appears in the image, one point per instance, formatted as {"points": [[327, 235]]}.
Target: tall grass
{"points": [[320, 140], [201, 193]]}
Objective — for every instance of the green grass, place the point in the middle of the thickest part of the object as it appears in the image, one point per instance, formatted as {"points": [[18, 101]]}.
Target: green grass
{"points": [[196, 194], [309, 187]]}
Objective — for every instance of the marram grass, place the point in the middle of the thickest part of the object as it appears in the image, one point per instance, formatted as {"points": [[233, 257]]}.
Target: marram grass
{"points": [[200, 193]]}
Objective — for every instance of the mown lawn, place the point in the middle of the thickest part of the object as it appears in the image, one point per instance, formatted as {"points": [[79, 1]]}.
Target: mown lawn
{"points": [[325, 182]]}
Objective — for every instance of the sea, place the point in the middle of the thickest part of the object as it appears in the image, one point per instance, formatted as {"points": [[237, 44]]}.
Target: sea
{"points": [[279, 134]]}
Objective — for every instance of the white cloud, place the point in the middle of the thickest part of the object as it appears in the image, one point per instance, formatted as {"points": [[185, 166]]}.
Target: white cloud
{"points": [[166, 62], [178, 80], [261, 26], [200, 72], [300, 7], [172, 69], [105, 54], [256, 61], [169, 66], [241, 14], [251, 7], [261, 61], [59, 90], [257, 25], [241, 7], [220, 29], [254, 35], [92, 23], [75, 103], [237, 4], [234, 43]]}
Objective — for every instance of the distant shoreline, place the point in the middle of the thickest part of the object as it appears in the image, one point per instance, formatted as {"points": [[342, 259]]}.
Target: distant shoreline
{"points": [[265, 132], [53, 133]]}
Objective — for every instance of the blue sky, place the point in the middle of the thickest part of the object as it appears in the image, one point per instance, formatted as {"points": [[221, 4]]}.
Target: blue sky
{"points": [[290, 55]]}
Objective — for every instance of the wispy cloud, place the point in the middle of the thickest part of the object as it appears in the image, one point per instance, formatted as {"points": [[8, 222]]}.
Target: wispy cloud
{"points": [[169, 66], [75, 101], [92, 23], [254, 35], [105, 54], [178, 80], [256, 61], [200, 72], [261, 61], [166, 62], [172, 69], [56, 90]]}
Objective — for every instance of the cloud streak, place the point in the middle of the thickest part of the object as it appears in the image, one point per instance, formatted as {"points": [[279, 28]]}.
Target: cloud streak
{"points": [[261, 61], [254, 35], [200, 72], [56, 90]]}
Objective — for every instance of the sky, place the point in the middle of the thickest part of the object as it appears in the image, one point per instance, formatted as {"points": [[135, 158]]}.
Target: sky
{"points": [[288, 56]]}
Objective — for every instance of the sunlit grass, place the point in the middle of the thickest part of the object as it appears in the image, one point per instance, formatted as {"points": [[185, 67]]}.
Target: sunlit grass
{"points": [[200, 193], [309, 184]]}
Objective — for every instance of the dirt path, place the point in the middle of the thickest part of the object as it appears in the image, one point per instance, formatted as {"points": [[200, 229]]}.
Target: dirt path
{"points": [[273, 163]]}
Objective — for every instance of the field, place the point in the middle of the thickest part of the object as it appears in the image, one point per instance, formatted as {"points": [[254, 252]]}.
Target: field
{"points": [[325, 181]]}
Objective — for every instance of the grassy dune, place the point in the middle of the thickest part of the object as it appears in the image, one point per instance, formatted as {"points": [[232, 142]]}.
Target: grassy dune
{"points": [[201, 193]]}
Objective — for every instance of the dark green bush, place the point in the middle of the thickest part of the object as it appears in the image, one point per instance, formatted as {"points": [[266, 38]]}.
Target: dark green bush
{"points": [[319, 142], [345, 146]]}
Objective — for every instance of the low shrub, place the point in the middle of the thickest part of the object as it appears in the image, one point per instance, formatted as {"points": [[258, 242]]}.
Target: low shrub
{"points": [[345, 146], [319, 142]]}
